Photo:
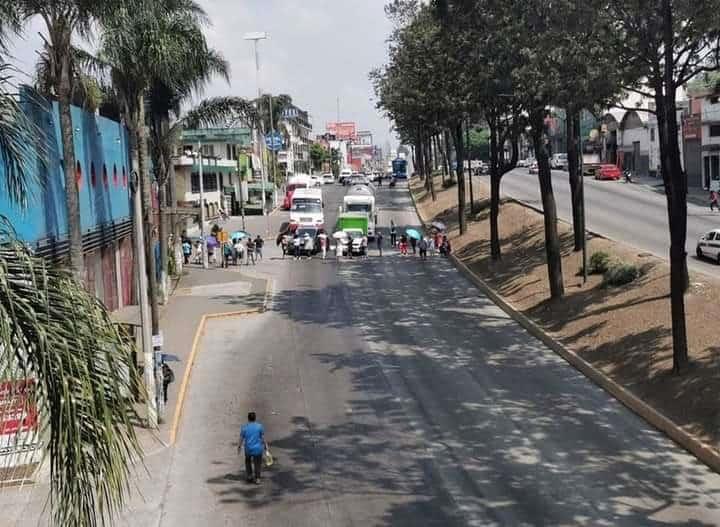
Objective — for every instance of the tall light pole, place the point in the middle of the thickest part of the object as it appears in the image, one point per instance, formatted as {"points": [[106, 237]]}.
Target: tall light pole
{"points": [[256, 37]]}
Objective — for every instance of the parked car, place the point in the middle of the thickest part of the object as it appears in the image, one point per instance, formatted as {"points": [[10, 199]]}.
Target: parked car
{"points": [[328, 178], [708, 246], [608, 172], [559, 162], [524, 163], [533, 168]]}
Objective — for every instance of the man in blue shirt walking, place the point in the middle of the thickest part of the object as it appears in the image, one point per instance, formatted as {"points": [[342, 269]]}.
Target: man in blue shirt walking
{"points": [[252, 437]]}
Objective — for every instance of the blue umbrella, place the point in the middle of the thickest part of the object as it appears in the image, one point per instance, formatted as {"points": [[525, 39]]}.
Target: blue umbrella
{"points": [[413, 233], [239, 235]]}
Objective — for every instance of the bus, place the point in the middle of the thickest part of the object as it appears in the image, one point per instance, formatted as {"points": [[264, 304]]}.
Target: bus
{"points": [[295, 182]]}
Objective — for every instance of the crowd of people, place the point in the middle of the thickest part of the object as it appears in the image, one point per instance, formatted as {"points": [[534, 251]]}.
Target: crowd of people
{"points": [[233, 252]]}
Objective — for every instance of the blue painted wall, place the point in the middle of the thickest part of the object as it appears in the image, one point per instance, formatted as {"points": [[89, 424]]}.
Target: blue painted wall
{"points": [[102, 156]]}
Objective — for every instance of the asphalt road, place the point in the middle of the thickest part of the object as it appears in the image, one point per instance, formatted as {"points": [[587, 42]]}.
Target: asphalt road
{"points": [[631, 213], [394, 395]]}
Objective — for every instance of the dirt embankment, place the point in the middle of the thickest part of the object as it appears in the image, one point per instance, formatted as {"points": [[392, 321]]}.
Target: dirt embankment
{"points": [[624, 331]]}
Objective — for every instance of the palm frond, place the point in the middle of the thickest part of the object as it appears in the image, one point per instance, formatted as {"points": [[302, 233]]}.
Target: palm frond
{"points": [[62, 338], [218, 111], [22, 143]]}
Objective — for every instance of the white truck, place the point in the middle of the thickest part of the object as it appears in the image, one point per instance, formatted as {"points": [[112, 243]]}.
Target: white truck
{"points": [[361, 199], [306, 208]]}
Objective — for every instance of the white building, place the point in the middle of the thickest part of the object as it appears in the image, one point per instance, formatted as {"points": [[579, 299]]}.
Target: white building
{"points": [[295, 157], [225, 153]]}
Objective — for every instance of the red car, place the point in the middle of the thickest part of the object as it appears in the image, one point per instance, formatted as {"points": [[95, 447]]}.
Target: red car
{"points": [[610, 172]]}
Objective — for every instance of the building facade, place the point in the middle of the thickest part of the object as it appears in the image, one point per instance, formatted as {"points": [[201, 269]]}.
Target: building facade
{"points": [[294, 158], [227, 159], [102, 171]]}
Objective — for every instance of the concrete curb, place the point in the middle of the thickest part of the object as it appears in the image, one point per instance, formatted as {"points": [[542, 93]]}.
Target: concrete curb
{"points": [[702, 451], [199, 333]]}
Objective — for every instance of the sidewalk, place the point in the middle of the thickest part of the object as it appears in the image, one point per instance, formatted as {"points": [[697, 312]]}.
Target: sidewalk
{"points": [[199, 293], [696, 196]]}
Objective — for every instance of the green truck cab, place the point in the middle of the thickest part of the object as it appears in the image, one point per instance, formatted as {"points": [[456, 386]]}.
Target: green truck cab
{"points": [[352, 221]]}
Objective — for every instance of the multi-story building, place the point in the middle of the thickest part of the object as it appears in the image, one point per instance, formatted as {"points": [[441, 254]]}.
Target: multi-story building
{"points": [[295, 157], [102, 170], [226, 156], [702, 133]]}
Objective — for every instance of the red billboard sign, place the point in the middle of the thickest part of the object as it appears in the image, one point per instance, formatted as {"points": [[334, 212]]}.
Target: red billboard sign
{"points": [[692, 127], [17, 412], [342, 131]]}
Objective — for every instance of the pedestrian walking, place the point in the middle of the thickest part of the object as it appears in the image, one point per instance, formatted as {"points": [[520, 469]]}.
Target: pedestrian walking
{"points": [[364, 247], [187, 251], [403, 245], [259, 242], [168, 376], [714, 200], [431, 245], [413, 243], [423, 247], [308, 246], [379, 242], [197, 255], [239, 251], [252, 439], [393, 234], [338, 249], [250, 251]]}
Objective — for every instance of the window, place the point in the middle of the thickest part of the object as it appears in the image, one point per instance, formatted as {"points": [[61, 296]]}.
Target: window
{"points": [[210, 183], [231, 151], [208, 150], [710, 236], [715, 130]]}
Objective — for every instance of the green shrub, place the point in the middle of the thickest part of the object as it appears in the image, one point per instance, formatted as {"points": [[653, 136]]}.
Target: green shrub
{"points": [[600, 262], [621, 274]]}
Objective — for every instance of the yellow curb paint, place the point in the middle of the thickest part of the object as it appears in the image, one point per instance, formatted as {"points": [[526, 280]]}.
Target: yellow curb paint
{"points": [[194, 350]]}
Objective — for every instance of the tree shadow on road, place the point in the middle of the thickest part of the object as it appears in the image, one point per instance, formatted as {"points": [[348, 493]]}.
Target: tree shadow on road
{"points": [[456, 414]]}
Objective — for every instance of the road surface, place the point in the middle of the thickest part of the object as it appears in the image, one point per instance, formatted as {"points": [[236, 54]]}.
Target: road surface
{"points": [[395, 395], [629, 213]]}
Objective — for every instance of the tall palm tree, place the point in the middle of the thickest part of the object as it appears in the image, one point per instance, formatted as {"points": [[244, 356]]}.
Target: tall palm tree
{"points": [[58, 340], [64, 21]]}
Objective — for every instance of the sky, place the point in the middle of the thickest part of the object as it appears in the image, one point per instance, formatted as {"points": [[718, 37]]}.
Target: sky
{"points": [[317, 51]]}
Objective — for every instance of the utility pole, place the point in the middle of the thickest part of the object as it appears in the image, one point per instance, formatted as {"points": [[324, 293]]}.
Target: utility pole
{"points": [[203, 239], [145, 322], [241, 175], [582, 200]]}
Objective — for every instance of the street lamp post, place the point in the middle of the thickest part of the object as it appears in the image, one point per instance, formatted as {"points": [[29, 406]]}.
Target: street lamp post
{"points": [[256, 37]]}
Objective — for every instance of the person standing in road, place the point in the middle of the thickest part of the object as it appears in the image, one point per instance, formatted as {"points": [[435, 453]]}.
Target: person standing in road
{"points": [[296, 246], [323, 244], [393, 234], [714, 200], [431, 245], [250, 251], [413, 244], [423, 246], [378, 242], [252, 438], [364, 247], [259, 242], [403, 245]]}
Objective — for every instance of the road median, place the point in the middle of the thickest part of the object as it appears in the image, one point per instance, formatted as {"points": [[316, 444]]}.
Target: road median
{"points": [[619, 337]]}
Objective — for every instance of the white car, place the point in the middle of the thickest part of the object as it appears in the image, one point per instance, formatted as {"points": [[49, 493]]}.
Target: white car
{"points": [[559, 162], [708, 246], [316, 181], [328, 178]]}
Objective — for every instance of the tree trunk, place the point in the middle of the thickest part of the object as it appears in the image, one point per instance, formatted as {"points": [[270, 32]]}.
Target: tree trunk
{"points": [[72, 192], [495, 175], [441, 157], [162, 170], [460, 176], [447, 154], [675, 182], [150, 239], [573, 132], [469, 167], [428, 166], [174, 218], [552, 240]]}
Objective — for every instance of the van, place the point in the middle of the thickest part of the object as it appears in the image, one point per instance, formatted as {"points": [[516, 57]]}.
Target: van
{"points": [[306, 208], [559, 162]]}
